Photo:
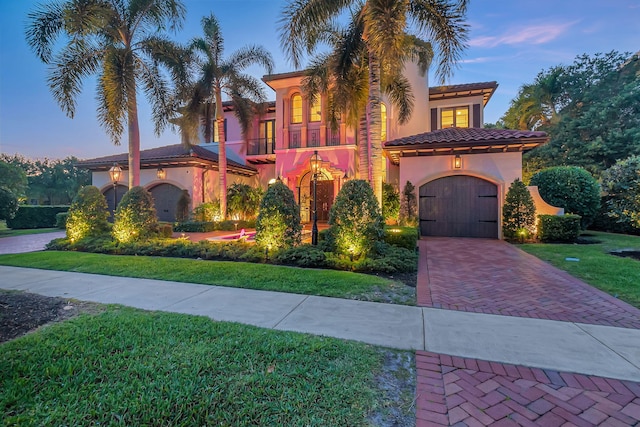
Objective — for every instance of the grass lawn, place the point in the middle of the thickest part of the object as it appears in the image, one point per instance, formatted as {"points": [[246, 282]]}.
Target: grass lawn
{"points": [[612, 274], [331, 283], [129, 367]]}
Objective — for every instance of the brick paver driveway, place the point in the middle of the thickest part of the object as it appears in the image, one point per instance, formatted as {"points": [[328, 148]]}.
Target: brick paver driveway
{"points": [[492, 276]]}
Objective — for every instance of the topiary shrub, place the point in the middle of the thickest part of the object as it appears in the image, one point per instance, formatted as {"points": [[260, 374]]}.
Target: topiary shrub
{"points": [[621, 182], [408, 215], [559, 228], [278, 225], [571, 188], [390, 203], [183, 206], [88, 214], [355, 219], [8, 203], [519, 212], [135, 217]]}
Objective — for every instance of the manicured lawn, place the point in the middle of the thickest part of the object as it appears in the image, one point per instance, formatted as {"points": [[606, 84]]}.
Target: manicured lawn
{"points": [[330, 283], [129, 367], [614, 275]]}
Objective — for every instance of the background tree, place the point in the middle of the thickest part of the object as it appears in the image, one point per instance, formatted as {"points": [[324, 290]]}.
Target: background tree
{"points": [[621, 182], [121, 43], [519, 212], [8, 203], [386, 23], [220, 76], [13, 178]]}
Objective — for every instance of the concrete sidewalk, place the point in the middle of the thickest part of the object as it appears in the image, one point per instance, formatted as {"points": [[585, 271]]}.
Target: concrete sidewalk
{"points": [[563, 346]]}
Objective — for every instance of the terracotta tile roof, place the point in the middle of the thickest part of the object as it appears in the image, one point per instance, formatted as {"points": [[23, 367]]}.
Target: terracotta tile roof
{"points": [[462, 136], [464, 141], [168, 155]]}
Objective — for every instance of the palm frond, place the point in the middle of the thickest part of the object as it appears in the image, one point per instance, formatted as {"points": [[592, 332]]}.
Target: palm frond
{"points": [[398, 89], [250, 55], [43, 29]]}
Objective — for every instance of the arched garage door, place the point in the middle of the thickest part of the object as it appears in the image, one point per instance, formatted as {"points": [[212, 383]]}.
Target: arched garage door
{"points": [[166, 198], [459, 206]]}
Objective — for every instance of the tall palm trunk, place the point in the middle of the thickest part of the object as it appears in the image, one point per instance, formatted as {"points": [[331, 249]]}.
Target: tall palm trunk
{"points": [[363, 148], [374, 117], [134, 137], [222, 154]]}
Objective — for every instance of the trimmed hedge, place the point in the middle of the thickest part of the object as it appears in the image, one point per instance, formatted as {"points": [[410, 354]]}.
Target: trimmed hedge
{"points": [[556, 228], [61, 220], [402, 237], [29, 216], [195, 227]]}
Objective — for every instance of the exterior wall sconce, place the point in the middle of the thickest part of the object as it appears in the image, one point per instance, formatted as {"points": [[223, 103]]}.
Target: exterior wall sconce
{"points": [[457, 162], [161, 173]]}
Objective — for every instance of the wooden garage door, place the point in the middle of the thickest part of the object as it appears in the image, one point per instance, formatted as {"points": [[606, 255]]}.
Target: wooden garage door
{"points": [[166, 198], [459, 206]]}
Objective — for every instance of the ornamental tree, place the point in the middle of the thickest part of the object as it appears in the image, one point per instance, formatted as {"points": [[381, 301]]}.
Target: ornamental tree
{"points": [[135, 217], [278, 224], [88, 214], [519, 212], [408, 206], [355, 219]]}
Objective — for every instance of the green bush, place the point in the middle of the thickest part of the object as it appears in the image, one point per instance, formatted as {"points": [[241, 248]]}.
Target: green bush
{"points": [[8, 204], [135, 217], [29, 216], [519, 212], [194, 227], [605, 222], [408, 215], [243, 201], [390, 203], [558, 228], [230, 225], [355, 219], [88, 214], [183, 206], [61, 220], [571, 188], [278, 225], [621, 182], [301, 256], [165, 229], [402, 237], [384, 259], [207, 212]]}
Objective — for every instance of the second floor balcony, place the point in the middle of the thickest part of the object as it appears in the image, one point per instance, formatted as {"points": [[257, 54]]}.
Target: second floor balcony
{"points": [[314, 138], [261, 146]]}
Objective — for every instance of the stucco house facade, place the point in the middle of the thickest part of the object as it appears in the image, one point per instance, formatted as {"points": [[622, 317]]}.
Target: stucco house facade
{"points": [[460, 170]]}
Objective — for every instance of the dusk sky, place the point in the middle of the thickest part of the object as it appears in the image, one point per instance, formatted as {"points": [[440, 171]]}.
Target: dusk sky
{"points": [[510, 42]]}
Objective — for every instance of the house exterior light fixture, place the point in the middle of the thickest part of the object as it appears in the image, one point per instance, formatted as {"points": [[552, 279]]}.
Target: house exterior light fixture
{"points": [[314, 164], [457, 162], [114, 173], [161, 173]]}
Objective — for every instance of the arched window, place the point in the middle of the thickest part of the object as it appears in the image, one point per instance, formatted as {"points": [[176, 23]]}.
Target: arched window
{"points": [[315, 110], [383, 122], [296, 108]]}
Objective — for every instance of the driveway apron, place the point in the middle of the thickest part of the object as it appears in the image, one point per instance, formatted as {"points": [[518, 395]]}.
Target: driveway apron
{"points": [[495, 277]]}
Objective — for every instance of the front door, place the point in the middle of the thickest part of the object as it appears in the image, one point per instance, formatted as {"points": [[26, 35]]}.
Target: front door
{"points": [[324, 191]]}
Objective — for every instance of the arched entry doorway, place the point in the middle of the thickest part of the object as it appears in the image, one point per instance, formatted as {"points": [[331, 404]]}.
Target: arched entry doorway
{"points": [[325, 192], [112, 203], [166, 198], [459, 206]]}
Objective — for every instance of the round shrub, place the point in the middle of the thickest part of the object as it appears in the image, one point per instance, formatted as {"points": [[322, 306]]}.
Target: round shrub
{"points": [[571, 188], [8, 203], [278, 225], [621, 182], [135, 217], [355, 219], [519, 212], [87, 215]]}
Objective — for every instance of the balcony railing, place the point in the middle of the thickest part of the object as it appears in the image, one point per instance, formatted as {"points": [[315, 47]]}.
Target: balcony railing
{"points": [[261, 146], [313, 138]]}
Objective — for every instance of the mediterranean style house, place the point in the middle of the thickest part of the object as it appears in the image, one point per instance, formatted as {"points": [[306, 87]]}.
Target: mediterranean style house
{"points": [[461, 171]]}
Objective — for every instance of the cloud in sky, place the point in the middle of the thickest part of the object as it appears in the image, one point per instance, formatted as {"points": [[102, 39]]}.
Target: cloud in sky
{"points": [[532, 34]]}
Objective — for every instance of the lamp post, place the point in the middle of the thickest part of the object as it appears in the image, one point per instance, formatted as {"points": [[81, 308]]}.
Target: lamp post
{"points": [[114, 174], [315, 165]]}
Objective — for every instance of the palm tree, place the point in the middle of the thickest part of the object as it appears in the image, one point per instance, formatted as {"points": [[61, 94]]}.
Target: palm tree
{"points": [[343, 76], [386, 23], [218, 76], [119, 41]]}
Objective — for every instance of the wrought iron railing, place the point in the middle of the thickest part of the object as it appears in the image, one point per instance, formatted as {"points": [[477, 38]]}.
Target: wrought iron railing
{"points": [[260, 146], [295, 139]]}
